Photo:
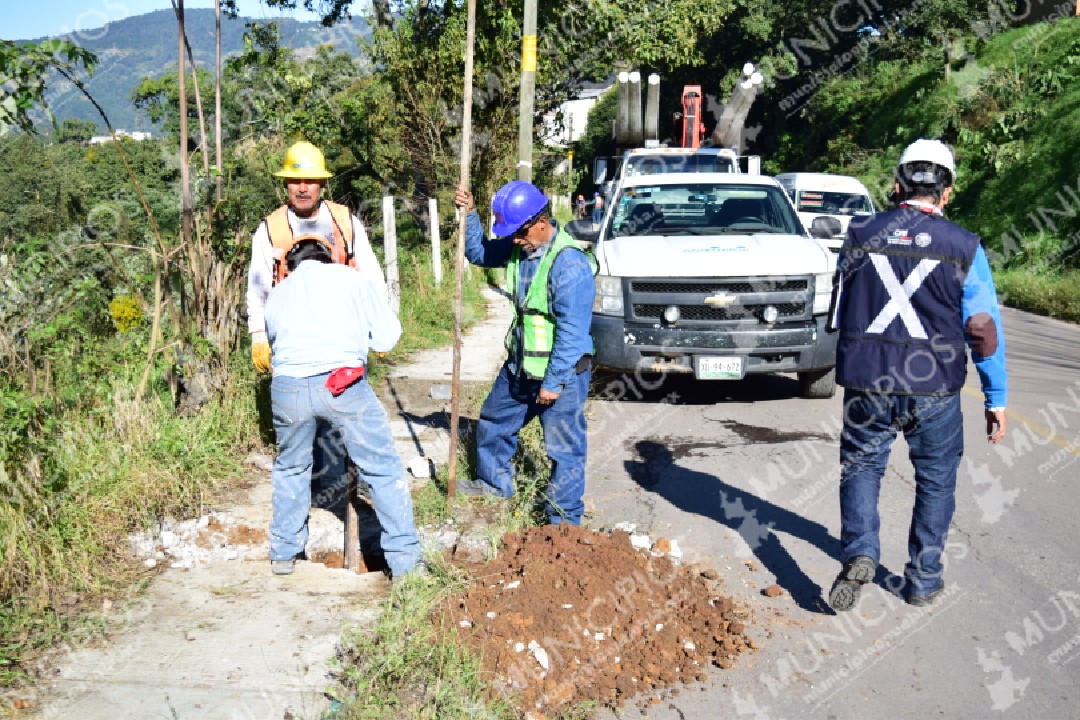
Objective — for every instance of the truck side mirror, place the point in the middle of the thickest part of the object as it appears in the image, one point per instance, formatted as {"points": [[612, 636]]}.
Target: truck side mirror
{"points": [[583, 231], [824, 228]]}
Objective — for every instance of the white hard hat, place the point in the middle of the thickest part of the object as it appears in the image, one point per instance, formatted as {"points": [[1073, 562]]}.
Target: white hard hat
{"points": [[932, 151]]}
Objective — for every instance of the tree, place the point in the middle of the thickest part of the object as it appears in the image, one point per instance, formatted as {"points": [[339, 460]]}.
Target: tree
{"points": [[76, 131], [159, 98], [23, 72]]}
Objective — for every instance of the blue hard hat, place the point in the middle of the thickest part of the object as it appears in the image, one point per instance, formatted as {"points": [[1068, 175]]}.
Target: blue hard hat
{"points": [[516, 203]]}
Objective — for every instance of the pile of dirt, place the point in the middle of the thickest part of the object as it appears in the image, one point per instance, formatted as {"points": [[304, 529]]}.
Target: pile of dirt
{"points": [[565, 615]]}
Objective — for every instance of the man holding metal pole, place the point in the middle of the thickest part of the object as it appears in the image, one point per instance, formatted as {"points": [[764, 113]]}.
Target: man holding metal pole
{"points": [[547, 371]]}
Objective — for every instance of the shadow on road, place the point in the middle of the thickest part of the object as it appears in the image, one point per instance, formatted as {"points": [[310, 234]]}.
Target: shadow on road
{"points": [[757, 521]]}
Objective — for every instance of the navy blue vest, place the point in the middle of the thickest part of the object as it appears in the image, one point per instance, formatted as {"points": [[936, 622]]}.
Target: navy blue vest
{"points": [[900, 319]]}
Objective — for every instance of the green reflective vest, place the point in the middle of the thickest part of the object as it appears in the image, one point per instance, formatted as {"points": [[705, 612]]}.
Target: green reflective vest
{"points": [[534, 314]]}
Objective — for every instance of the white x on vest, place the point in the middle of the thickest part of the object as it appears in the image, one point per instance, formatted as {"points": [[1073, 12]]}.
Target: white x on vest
{"points": [[899, 303]]}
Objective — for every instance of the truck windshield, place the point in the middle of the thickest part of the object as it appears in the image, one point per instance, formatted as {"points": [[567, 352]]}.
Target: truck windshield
{"points": [[835, 203], [703, 209], [678, 163]]}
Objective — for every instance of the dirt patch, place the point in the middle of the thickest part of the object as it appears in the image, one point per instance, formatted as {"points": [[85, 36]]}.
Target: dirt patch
{"points": [[218, 534], [565, 615], [331, 559]]}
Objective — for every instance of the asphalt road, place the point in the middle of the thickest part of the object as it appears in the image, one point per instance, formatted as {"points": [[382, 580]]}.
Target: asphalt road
{"points": [[744, 476]]}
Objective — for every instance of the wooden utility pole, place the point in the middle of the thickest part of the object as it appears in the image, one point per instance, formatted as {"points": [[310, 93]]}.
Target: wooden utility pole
{"points": [[186, 204], [218, 162], [528, 93], [459, 261]]}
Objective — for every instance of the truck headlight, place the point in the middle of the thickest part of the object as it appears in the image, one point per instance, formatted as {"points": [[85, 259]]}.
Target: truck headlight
{"points": [[822, 292], [609, 295]]}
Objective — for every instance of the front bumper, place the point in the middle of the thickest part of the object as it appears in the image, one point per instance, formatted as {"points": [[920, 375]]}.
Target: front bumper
{"points": [[786, 347]]}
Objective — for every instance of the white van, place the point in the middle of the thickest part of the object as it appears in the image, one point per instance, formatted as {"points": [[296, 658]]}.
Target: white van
{"points": [[826, 203]]}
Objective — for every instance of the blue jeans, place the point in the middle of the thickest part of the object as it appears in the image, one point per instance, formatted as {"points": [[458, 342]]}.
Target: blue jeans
{"points": [[597, 215], [510, 406], [933, 428], [299, 404]]}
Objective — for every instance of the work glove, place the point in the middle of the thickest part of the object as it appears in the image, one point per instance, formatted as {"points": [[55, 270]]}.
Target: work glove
{"points": [[260, 355]]}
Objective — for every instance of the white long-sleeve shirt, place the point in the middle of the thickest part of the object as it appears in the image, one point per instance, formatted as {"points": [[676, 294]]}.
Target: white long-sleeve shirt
{"points": [[261, 267], [325, 316]]}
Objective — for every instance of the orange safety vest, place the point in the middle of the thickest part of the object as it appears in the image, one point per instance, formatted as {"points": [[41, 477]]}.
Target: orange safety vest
{"points": [[282, 238]]}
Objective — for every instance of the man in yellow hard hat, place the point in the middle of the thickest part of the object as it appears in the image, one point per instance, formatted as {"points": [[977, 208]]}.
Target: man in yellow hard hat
{"points": [[305, 215]]}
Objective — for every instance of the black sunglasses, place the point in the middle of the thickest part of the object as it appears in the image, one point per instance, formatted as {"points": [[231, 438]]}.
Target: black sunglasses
{"points": [[524, 229]]}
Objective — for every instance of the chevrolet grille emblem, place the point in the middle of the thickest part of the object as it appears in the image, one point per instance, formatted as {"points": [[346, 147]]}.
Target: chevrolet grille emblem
{"points": [[720, 300]]}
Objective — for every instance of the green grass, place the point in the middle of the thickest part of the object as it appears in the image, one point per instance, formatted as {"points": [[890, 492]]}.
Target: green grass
{"points": [[408, 667], [63, 546], [1055, 295], [1011, 109]]}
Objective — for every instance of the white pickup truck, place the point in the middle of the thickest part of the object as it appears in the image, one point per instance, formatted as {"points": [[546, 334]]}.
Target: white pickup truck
{"points": [[712, 274]]}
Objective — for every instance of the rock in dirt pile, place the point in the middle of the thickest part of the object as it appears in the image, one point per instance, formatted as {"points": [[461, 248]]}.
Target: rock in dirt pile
{"points": [[565, 615]]}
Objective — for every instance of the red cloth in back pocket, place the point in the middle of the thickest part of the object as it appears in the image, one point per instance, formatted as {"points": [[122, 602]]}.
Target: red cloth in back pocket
{"points": [[342, 378]]}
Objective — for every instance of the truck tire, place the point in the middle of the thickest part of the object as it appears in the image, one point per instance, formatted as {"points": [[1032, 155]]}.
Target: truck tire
{"points": [[817, 384]]}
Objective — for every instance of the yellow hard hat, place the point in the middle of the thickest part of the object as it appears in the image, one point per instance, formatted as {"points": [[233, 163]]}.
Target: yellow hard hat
{"points": [[304, 161]]}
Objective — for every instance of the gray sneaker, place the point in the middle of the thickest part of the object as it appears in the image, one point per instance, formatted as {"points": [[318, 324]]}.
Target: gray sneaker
{"points": [[856, 572], [283, 567]]}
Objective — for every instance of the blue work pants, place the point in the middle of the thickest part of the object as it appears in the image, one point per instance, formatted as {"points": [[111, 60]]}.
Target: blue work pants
{"points": [[933, 428], [510, 406]]}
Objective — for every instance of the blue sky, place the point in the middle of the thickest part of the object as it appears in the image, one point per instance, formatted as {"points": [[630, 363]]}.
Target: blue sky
{"points": [[24, 20]]}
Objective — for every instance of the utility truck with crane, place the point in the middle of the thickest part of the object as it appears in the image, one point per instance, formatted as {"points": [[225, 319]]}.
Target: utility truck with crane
{"points": [[711, 274]]}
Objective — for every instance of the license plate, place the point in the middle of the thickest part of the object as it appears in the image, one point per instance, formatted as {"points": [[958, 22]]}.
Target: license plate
{"points": [[710, 367]]}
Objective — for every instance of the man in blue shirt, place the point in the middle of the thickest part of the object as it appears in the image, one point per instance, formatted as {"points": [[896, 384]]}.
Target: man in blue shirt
{"points": [[547, 371], [912, 291], [320, 321]]}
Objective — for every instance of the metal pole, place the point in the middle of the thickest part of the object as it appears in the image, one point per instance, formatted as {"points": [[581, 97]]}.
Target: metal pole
{"points": [[459, 263], [528, 92]]}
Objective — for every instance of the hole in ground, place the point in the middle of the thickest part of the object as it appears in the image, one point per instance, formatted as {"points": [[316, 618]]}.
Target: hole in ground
{"points": [[369, 561]]}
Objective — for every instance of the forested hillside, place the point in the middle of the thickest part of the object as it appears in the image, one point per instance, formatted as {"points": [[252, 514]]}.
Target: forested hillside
{"points": [[144, 46]]}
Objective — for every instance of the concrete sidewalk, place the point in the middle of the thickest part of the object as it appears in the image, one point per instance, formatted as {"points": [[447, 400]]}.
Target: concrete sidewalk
{"points": [[417, 394]]}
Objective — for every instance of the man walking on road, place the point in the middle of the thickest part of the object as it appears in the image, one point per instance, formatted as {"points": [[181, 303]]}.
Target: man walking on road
{"points": [[546, 375], [306, 213], [912, 289], [321, 321]]}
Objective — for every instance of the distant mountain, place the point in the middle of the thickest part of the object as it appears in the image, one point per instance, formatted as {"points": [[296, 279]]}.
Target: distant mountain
{"points": [[142, 46]]}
